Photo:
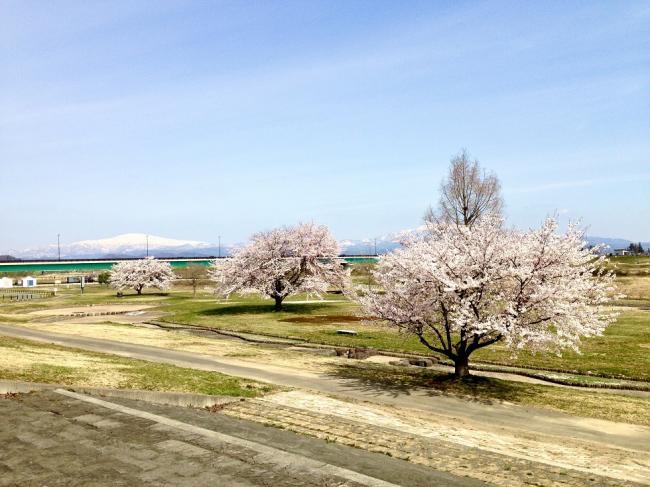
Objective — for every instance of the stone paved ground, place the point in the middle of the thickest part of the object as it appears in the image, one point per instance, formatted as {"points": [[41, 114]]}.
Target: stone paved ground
{"points": [[47, 439], [444, 456]]}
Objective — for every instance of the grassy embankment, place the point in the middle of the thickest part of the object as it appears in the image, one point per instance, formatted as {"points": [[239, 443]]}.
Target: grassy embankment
{"points": [[30, 361], [622, 351], [33, 361]]}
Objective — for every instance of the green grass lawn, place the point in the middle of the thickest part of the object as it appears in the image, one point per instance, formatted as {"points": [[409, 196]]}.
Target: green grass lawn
{"points": [[50, 363], [93, 294], [629, 265], [624, 349]]}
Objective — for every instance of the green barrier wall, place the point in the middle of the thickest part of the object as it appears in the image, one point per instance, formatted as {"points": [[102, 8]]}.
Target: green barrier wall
{"points": [[79, 266]]}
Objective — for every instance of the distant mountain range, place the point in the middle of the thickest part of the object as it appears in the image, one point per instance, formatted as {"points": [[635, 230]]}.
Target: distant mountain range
{"points": [[615, 243], [126, 245], [392, 241], [135, 245], [379, 245]]}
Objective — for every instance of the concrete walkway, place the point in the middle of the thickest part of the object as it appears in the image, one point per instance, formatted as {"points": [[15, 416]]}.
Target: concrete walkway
{"points": [[501, 415], [52, 438]]}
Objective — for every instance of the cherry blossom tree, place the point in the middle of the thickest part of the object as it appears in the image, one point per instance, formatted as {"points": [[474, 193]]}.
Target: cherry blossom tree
{"points": [[281, 262], [141, 274], [463, 288]]}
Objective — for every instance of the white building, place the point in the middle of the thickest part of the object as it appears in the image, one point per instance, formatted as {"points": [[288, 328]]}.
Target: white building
{"points": [[6, 282], [29, 281]]}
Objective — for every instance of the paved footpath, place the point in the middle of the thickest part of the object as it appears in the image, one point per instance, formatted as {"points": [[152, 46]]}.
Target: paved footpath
{"points": [[62, 438]]}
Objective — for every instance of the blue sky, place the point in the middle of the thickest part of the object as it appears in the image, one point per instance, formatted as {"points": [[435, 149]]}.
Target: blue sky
{"points": [[197, 119]]}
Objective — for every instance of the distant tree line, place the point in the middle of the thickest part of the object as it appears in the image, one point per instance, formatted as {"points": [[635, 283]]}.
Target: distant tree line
{"points": [[636, 248]]}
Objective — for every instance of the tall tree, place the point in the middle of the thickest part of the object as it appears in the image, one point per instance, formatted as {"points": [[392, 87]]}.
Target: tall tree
{"points": [[460, 289], [141, 274], [281, 262], [467, 194]]}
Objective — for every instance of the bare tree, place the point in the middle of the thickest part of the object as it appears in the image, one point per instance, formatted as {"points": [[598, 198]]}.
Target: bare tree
{"points": [[194, 274], [467, 194]]}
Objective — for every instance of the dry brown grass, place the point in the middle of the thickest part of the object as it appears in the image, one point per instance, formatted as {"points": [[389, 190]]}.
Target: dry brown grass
{"points": [[635, 287]]}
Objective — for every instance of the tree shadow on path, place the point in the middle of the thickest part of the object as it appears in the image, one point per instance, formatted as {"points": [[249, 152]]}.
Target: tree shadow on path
{"points": [[400, 380]]}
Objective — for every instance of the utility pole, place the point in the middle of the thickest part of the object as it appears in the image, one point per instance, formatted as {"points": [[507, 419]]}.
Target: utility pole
{"points": [[147, 245], [375, 246], [219, 246], [58, 244]]}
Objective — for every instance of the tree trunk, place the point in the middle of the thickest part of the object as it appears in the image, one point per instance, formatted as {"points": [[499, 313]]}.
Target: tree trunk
{"points": [[461, 366], [139, 289], [278, 304]]}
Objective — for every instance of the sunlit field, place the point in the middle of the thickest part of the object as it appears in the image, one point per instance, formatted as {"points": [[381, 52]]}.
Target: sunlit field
{"points": [[623, 351], [620, 355]]}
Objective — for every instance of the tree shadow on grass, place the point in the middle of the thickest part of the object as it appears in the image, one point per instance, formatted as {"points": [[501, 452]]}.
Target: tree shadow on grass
{"points": [[134, 295], [243, 309], [399, 380]]}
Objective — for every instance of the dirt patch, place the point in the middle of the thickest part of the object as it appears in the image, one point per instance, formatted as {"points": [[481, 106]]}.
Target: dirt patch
{"points": [[321, 319], [124, 318], [355, 353], [215, 408], [316, 301], [105, 308]]}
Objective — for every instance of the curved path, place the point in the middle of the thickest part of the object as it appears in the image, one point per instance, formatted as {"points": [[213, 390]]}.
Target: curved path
{"points": [[510, 416], [384, 357]]}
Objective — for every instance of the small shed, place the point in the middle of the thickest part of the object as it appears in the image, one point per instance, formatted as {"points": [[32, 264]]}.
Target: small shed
{"points": [[29, 281], [6, 282]]}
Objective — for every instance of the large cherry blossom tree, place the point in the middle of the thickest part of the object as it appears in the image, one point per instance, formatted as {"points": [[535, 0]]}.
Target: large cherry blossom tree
{"points": [[463, 288], [141, 274], [281, 262]]}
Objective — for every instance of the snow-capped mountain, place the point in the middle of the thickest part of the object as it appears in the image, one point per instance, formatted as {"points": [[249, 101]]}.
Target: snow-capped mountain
{"points": [[135, 245], [391, 241], [379, 245], [126, 245]]}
